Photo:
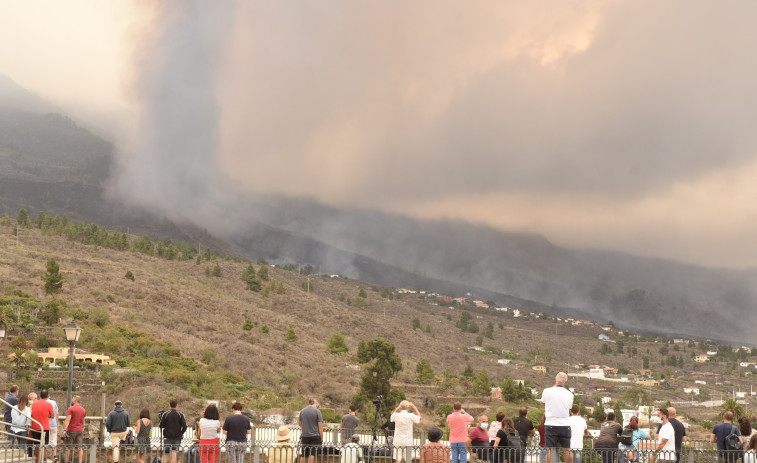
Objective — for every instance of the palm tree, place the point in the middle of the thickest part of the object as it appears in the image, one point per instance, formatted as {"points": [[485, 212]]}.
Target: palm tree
{"points": [[730, 405]]}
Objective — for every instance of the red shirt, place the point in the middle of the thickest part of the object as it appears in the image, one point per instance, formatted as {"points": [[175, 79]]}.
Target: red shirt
{"points": [[77, 414], [42, 411], [478, 435], [458, 427]]}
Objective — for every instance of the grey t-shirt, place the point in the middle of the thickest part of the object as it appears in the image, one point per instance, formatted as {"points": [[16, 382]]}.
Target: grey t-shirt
{"points": [[310, 417], [349, 423]]}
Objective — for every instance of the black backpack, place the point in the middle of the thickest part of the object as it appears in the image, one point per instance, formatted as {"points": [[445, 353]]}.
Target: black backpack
{"points": [[513, 440], [626, 437], [732, 441]]}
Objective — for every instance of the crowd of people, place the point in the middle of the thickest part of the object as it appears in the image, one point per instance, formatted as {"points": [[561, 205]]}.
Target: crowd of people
{"points": [[32, 424]]}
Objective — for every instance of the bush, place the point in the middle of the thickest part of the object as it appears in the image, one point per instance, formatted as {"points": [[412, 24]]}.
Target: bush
{"points": [[291, 336], [336, 344], [329, 414], [99, 316], [129, 275]]}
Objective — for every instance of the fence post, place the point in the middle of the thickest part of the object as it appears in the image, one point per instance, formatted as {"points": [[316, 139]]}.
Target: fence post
{"points": [[335, 437]]}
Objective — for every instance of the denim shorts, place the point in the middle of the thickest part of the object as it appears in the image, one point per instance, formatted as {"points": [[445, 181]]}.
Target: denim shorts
{"points": [[171, 445]]}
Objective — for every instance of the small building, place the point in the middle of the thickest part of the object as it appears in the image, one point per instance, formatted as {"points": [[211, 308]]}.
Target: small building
{"points": [[503, 361], [701, 358], [496, 393], [539, 369], [699, 381], [691, 390], [516, 313], [61, 353], [648, 382], [596, 373], [603, 337]]}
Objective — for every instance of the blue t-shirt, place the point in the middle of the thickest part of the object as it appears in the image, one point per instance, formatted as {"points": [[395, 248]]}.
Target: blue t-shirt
{"points": [[310, 417], [721, 431]]}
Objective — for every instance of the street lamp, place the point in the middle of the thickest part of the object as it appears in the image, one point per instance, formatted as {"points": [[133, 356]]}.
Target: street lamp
{"points": [[72, 331]]}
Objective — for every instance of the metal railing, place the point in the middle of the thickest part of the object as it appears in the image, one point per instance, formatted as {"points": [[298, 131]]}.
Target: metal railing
{"points": [[428, 453]]}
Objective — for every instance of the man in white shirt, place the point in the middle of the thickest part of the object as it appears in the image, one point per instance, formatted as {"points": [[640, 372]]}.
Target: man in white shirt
{"points": [[403, 431], [666, 443], [352, 453], [578, 430], [557, 402]]}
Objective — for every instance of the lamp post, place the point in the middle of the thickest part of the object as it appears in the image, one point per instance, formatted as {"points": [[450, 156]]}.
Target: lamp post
{"points": [[72, 331]]}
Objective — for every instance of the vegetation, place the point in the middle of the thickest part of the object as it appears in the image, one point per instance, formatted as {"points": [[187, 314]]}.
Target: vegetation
{"points": [[336, 344], [52, 277], [381, 364]]}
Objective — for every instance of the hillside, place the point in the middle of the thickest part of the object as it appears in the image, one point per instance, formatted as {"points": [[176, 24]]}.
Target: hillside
{"points": [[203, 317]]}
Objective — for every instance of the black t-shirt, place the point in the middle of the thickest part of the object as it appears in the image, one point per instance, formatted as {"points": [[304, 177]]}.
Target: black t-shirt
{"points": [[524, 427], [236, 427], [679, 431]]}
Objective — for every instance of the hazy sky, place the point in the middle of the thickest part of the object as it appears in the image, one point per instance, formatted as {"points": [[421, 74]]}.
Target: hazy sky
{"points": [[616, 124]]}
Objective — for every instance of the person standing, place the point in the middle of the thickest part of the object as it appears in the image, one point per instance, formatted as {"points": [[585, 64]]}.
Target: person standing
{"points": [[311, 422], [208, 428], [578, 430], [21, 421], [403, 433], [54, 429], [666, 447], [525, 428], [679, 429], [42, 411], [117, 424], [12, 400], [236, 428], [719, 433], [73, 427], [609, 438], [505, 449], [349, 423], [458, 432], [174, 425], [557, 402], [495, 426], [630, 453], [144, 426]]}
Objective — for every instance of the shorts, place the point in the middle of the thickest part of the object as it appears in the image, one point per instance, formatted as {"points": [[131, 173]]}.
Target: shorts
{"points": [[311, 445], [171, 445], [557, 436], [74, 437], [37, 435], [400, 452], [53, 436]]}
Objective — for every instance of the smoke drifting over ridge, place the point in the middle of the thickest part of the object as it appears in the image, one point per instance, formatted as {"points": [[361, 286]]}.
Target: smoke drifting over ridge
{"points": [[559, 118], [177, 61]]}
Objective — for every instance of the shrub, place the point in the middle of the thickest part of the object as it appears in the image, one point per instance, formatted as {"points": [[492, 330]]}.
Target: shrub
{"points": [[129, 275], [336, 344], [291, 336]]}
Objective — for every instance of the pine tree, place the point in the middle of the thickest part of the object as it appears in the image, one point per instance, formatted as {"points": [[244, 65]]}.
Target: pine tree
{"points": [[291, 336], [247, 324], [263, 273], [129, 275], [52, 278], [424, 372], [336, 344], [22, 219], [217, 270]]}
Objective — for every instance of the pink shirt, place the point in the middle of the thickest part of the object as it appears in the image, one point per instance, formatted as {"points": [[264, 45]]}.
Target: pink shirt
{"points": [[458, 427]]}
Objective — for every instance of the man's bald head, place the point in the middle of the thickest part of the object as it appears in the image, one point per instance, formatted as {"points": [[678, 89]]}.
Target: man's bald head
{"points": [[671, 412]]}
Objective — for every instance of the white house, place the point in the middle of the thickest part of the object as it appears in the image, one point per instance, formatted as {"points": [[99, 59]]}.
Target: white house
{"points": [[740, 395], [603, 337], [712, 352], [699, 381], [596, 373], [516, 313], [606, 399], [745, 364], [691, 390], [503, 361]]}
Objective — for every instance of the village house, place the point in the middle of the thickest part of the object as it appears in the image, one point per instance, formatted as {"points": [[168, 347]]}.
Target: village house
{"points": [[603, 337], [691, 390], [503, 361], [596, 372], [701, 358], [61, 353], [648, 382], [712, 352], [699, 381], [496, 393], [745, 364], [516, 313], [476, 348], [539, 369]]}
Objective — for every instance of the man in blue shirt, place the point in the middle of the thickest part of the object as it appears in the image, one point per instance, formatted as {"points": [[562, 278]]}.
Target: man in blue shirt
{"points": [[719, 433]]}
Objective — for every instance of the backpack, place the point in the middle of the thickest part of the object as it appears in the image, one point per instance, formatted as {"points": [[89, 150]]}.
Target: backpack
{"points": [[732, 441], [156, 460], [626, 437], [129, 439], [513, 440]]}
